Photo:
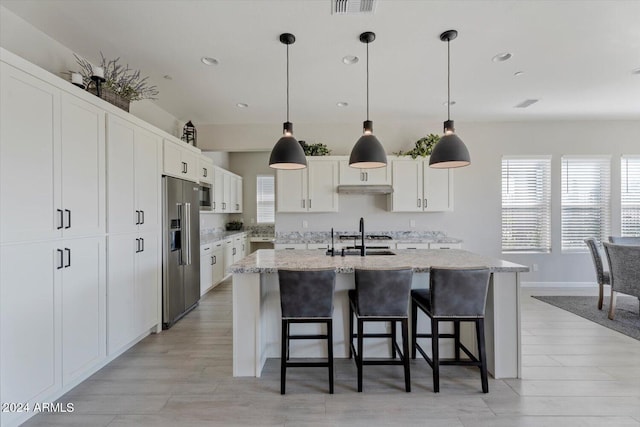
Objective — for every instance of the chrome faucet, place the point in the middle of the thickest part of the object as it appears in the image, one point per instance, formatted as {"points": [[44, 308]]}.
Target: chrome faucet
{"points": [[361, 230]]}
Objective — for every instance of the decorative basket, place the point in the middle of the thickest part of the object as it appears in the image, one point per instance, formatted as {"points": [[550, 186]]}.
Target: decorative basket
{"points": [[111, 97]]}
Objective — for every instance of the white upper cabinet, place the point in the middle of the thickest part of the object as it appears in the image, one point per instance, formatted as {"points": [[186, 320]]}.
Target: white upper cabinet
{"points": [[180, 161], [83, 167], [218, 191], [205, 169], [52, 161], [355, 176], [419, 188], [134, 176], [239, 194], [312, 189]]}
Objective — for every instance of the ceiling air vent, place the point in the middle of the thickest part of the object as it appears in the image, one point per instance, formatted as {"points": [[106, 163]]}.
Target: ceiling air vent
{"points": [[526, 103], [353, 7]]}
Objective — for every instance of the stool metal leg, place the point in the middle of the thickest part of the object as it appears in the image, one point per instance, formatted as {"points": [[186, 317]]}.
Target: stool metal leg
{"points": [[359, 355], [483, 355], [283, 356], [435, 355], [394, 339], [350, 330], [330, 353], [405, 353], [414, 328], [288, 340], [456, 338]]}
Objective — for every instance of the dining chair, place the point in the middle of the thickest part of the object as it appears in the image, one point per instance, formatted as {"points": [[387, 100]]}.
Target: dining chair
{"points": [[602, 276], [624, 265]]}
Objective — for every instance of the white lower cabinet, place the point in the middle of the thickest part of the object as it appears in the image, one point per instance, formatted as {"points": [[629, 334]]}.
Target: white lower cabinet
{"points": [[228, 254], [218, 264], [52, 301], [133, 288], [211, 266]]}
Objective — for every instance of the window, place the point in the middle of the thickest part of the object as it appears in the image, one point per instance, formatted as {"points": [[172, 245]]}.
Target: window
{"points": [[630, 197], [526, 204], [265, 199], [585, 200]]}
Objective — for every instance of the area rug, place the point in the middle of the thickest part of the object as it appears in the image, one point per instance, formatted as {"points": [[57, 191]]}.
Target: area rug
{"points": [[626, 321]]}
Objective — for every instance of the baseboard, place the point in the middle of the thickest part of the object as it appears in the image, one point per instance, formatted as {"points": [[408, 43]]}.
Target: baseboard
{"points": [[558, 284]]}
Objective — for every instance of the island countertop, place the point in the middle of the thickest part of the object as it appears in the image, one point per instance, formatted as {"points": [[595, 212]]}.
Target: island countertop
{"points": [[269, 261]]}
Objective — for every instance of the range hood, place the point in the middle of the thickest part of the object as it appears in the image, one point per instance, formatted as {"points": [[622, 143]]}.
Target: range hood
{"points": [[365, 189]]}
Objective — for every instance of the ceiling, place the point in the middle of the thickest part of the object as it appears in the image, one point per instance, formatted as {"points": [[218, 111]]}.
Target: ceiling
{"points": [[577, 56]]}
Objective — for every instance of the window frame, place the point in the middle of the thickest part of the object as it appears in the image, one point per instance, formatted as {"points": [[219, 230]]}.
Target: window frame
{"points": [[260, 203], [624, 189]]}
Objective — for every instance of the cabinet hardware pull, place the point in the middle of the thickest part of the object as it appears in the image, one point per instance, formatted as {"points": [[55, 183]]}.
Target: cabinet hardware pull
{"points": [[361, 176], [419, 203], [186, 167], [60, 219], [142, 241], [211, 261], [303, 201], [137, 245], [68, 251], [142, 213], [366, 176], [425, 203], [137, 217], [204, 171], [234, 251], [214, 206], [309, 203], [60, 259], [215, 260], [68, 218], [206, 249]]}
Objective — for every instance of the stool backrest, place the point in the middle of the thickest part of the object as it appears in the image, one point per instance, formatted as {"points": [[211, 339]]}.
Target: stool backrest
{"points": [[597, 259], [626, 240], [383, 292], [459, 292], [307, 293], [624, 266]]}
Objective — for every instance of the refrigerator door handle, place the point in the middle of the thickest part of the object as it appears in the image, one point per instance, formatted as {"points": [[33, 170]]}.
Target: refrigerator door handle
{"points": [[183, 238], [187, 231]]}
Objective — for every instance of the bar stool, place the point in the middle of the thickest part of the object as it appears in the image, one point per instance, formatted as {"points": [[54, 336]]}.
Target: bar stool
{"points": [[457, 295], [381, 296], [306, 297]]}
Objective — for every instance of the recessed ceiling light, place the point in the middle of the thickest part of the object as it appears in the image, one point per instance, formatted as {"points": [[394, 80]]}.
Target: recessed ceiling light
{"points": [[167, 77], [242, 105], [350, 59], [526, 103], [445, 103], [636, 71], [207, 60], [342, 104], [518, 73], [501, 57]]}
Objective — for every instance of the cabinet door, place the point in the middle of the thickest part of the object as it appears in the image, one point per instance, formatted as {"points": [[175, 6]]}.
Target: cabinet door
{"points": [[191, 165], [29, 331], [228, 255], [173, 160], [233, 194], [29, 157], [83, 167], [438, 189], [147, 178], [238, 194], [226, 193], [378, 176], [205, 170], [122, 216], [218, 265], [407, 186], [323, 180], [120, 291], [291, 190], [206, 272], [218, 190], [349, 175], [83, 306], [147, 283]]}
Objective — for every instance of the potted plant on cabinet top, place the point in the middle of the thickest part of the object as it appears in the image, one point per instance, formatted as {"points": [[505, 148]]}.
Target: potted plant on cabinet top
{"points": [[317, 149], [121, 84], [423, 147]]}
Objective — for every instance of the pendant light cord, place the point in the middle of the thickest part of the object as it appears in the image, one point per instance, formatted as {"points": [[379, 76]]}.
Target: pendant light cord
{"points": [[367, 81], [287, 83], [448, 79]]}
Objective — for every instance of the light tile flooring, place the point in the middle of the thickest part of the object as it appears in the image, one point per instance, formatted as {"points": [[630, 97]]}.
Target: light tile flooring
{"points": [[576, 373]]}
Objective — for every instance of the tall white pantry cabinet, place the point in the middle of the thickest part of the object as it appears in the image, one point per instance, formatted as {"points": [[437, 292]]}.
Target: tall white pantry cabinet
{"points": [[79, 260]]}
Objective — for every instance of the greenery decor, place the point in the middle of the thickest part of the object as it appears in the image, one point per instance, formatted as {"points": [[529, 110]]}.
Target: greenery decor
{"points": [[423, 147], [120, 79], [316, 149]]}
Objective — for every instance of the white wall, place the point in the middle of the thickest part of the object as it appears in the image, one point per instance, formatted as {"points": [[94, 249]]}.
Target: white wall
{"points": [[249, 165], [25, 40], [477, 188]]}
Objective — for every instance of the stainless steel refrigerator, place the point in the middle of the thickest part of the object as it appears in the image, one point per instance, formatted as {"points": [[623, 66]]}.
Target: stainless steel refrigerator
{"points": [[180, 249]]}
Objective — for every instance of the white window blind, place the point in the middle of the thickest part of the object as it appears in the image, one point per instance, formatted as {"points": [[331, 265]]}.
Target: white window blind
{"points": [[265, 199], [586, 193], [526, 204], [630, 197]]}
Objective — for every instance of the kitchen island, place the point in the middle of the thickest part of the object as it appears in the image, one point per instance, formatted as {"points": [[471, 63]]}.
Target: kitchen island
{"points": [[256, 305]]}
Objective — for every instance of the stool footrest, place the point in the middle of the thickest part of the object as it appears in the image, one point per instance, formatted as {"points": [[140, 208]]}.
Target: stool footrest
{"points": [[380, 335], [307, 337], [307, 364]]}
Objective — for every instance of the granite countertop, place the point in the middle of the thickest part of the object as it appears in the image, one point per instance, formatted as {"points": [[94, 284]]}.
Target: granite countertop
{"points": [[396, 237], [268, 261], [208, 238]]}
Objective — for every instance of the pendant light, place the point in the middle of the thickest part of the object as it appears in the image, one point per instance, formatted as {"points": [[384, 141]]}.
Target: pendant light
{"points": [[287, 153], [450, 151], [368, 153]]}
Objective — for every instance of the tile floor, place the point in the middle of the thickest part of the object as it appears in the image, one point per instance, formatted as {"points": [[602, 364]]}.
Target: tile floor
{"points": [[575, 373]]}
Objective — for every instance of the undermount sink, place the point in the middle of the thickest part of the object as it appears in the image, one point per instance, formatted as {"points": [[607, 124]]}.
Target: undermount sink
{"points": [[354, 252]]}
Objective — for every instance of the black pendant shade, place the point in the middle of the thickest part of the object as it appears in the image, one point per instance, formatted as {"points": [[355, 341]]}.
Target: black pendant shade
{"points": [[368, 153], [287, 153], [450, 151]]}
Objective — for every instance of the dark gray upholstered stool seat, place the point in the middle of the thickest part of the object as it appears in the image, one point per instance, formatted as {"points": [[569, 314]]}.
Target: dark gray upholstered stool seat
{"points": [[381, 296], [306, 297], [457, 295], [602, 276]]}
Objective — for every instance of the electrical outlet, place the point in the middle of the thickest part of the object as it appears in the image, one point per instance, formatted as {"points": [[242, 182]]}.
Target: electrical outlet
{"points": [[412, 223], [305, 224], [535, 267]]}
